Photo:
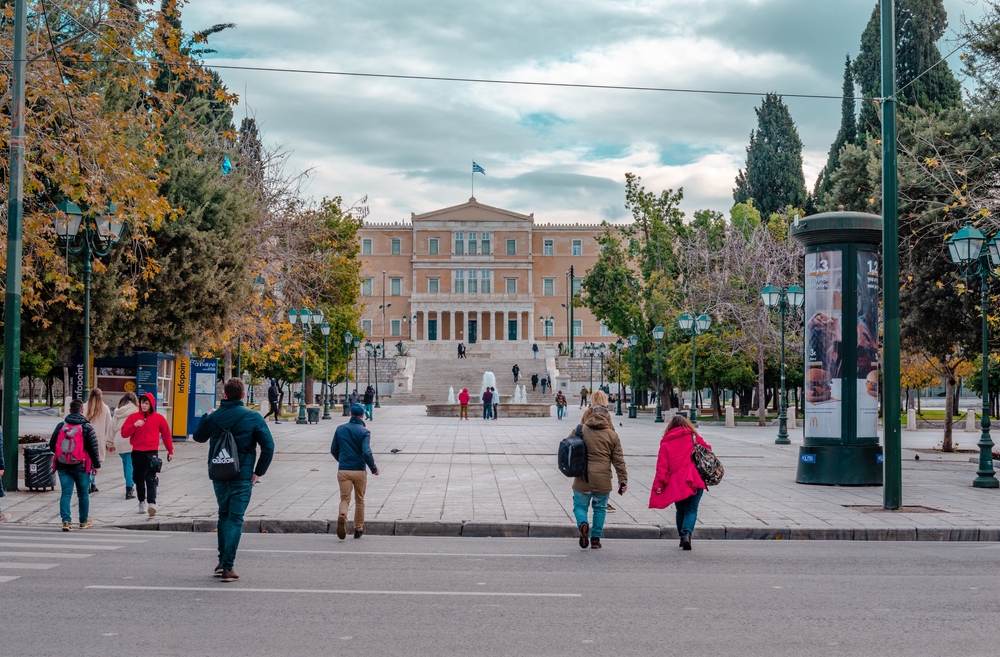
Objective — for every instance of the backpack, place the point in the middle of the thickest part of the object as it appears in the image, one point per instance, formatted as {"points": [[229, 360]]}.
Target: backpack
{"points": [[572, 458], [707, 463], [70, 449], [224, 461]]}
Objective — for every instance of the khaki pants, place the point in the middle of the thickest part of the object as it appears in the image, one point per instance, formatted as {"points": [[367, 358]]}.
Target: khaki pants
{"points": [[463, 412], [356, 479]]}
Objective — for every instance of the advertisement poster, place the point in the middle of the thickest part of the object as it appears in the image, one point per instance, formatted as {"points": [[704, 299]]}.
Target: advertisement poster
{"points": [[867, 365], [823, 337]]}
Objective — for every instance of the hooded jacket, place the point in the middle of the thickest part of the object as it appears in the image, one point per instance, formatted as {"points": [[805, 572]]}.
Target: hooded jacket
{"points": [[249, 431], [560, 399], [89, 443], [463, 397], [369, 395], [146, 438], [114, 438], [676, 472], [604, 451], [351, 446]]}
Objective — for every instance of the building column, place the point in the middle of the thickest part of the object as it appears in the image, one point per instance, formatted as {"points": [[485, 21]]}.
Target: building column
{"points": [[531, 327], [460, 327], [424, 323]]}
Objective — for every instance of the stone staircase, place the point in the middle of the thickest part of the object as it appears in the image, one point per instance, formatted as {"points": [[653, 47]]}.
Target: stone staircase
{"points": [[433, 376]]}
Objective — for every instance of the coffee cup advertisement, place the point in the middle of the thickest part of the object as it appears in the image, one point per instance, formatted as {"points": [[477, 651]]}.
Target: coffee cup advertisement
{"points": [[823, 337], [867, 361]]}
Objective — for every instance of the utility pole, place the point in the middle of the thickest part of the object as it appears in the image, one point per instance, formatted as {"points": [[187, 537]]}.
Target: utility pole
{"points": [[12, 296], [893, 465]]}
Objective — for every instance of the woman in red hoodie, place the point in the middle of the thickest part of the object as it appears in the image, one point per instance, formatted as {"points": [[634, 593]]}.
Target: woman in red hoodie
{"points": [[144, 429], [677, 480], [463, 399]]}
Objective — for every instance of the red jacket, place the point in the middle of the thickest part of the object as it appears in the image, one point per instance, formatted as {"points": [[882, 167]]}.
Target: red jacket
{"points": [[154, 428], [463, 397], [676, 473]]}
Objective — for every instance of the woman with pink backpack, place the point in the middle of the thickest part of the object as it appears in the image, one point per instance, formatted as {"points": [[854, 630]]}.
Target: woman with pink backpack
{"points": [[77, 455]]}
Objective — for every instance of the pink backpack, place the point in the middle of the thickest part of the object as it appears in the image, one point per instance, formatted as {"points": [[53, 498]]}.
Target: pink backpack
{"points": [[70, 449]]}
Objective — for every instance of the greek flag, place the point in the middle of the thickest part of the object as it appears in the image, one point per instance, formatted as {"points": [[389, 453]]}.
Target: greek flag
{"points": [[227, 166], [478, 169]]}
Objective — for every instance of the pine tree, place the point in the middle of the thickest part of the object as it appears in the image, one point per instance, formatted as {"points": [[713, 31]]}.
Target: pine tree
{"points": [[919, 25], [847, 134], [773, 175]]}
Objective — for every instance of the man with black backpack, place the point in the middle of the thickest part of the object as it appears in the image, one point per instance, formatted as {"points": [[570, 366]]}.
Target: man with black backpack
{"points": [[234, 433]]}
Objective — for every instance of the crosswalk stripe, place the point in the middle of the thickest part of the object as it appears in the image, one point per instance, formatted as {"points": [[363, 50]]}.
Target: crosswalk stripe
{"points": [[67, 546], [53, 527], [28, 566], [8, 578], [46, 555], [79, 539]]}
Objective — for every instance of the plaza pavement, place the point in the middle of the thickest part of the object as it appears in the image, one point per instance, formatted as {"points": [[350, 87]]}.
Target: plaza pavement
{"points": [[500, 478]]}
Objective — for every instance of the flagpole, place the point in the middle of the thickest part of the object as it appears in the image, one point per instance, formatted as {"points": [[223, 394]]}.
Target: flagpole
{"points": [[472, 178]]}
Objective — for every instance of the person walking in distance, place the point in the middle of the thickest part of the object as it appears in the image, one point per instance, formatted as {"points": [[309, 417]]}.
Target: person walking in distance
{"points": [[545, 382], [534, 350], [604, 452], [369, 398], [560, 404], [145, 429], [534, 382], [463, 400], [273, 397], [583, 397], [77, 454], [99, 416], [353, 398], [114, 441], [249, 431], [352, 448], [516, 371], [488, 403], [496, 401], [4, 517], [677, 480]]}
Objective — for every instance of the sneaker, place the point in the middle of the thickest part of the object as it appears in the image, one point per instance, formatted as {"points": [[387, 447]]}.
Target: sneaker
{"points": [[67, 526], [4, 517], [142, 507], [219, 570], [152, 510], [358, 533], [229, 576], [130, 492], [87, 525], [584, 535], [610, 508], [342, 527], [93, 489], [595, 544]]}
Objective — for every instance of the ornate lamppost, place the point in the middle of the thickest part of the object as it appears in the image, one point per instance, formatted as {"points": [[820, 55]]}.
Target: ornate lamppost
{"points": [[694, 328], [306, 319], [633, 340], [618, 349], [357, 343], [658, 335], [783, 301]]}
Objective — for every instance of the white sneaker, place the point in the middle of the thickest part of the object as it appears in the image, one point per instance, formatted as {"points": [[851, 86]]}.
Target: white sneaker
{"points": [[152, 510], [142, 507]]}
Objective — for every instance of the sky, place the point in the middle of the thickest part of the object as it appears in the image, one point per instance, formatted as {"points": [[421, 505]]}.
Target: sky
{"points": [[561, 154]]}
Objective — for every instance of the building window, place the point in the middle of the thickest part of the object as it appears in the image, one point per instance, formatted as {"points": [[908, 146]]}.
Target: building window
{"points": [[548, 246], [395, 286], [577, 286], [577, 327], [433, 285], [485, 243], [473, 283], [472, 244], [548, 287], [366, 326], [459, 243], [366, 287], [395, 246], [366, 246], [511, 286], [432, 246], [577, 247], [605, 331], [550, 329], [459, 287], [394, 327], [511, 247], [484, 281]]}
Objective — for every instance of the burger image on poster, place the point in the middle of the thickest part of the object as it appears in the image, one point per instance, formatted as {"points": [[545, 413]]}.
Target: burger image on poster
{"points": [[818, 386], [871, 384]]}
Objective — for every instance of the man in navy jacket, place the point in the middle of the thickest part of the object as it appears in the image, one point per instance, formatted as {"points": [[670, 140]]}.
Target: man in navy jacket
{"points": [[352, 449]]}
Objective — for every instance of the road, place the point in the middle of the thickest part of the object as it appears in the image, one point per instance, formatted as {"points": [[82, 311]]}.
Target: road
{"points": [[113, 592]]}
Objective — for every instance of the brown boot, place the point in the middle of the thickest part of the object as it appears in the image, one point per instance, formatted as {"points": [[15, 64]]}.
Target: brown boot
{"points": [[342, 527], [229, 576]]}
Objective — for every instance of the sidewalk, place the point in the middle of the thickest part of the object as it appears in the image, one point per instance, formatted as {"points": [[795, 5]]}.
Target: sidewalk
{"points": [[499, 478]]}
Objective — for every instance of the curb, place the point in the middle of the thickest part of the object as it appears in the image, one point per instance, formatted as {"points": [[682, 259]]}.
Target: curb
{"points": [[486, 529]]}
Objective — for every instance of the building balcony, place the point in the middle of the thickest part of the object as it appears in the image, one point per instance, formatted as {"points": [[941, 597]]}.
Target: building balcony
{"points": [[492, 298]]}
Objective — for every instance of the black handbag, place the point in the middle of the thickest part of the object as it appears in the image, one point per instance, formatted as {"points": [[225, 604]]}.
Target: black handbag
{"points": [[156, 464]]}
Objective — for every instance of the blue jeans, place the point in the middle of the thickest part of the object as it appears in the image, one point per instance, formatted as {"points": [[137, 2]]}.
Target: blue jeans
{"points": [[560, 411], [581, 505], [487, 410], [687, 512], [233, 498], [127, 468], [69, 479]]}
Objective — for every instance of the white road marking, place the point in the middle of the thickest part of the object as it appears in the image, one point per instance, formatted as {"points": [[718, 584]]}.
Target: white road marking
{"points": [[52, 536], [61, 545], [46, 555], [497, 594], [28, 566], [8, 578], [397, 554]]}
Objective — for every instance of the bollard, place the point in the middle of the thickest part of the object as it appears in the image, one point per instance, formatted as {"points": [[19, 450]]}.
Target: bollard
{"points": [[970, 421], [791, 420], [730, 418], [911, 419]]}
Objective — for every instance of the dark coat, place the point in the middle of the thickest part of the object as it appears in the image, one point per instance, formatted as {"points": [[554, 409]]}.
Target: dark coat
{"points": [[89, 443], [273, 395], [369, 395], [351, 446], [534, 379], [249, 430]]}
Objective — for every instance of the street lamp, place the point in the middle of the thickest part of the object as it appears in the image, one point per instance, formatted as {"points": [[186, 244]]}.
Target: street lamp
{"points": [[975, 256], [618, 349], [306, 318], [373, 351], [658, 335], [325, 330], [348, 341], [357, 343], [783, 301], [98, 235], [633, 340], [589, 349], [694, 327]]}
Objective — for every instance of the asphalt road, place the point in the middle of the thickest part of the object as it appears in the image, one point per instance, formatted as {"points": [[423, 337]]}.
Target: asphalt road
{"points": [[113, 592]]}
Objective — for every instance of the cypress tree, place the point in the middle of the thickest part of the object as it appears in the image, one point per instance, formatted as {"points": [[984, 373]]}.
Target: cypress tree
{"points": [[773, 175], [847, 134]]}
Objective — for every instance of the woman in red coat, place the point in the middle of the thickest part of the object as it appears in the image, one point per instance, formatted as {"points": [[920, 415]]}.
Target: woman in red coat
{"points": [[677, 480]]}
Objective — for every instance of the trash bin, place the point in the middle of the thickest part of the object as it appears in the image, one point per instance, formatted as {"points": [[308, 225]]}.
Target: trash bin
{"points": [[38, 473], [313, 413]]}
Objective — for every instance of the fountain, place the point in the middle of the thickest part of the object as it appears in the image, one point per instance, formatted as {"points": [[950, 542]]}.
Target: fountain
{"points": [[489, 380], [451, 395], [515, 406]]}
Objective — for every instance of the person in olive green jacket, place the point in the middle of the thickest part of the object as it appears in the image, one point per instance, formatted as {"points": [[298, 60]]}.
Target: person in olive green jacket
{"points": [[604, 452]]}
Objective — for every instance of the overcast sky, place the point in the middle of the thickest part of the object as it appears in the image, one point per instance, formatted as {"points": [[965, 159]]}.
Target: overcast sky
{"points": [[559, 153]]}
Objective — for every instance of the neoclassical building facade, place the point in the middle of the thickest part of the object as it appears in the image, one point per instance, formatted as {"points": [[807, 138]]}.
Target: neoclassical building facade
{"points": [[476, 274]]}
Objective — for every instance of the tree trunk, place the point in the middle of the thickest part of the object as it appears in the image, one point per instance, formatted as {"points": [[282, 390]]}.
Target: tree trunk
{"points": [[227, 364], [949, 402], [31, 391], [50, 383], [716, 402], [66, 388], [955, 410], [761, 406], [919, 410]]}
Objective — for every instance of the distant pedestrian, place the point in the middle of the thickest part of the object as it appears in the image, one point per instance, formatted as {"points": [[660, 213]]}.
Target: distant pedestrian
{"points": [[534, 382], [145, 429], [115, 442], [249, 430], [583, 397], [273, 397], [4, 517], [459, 349], [545, 382], [604, 452], [517, 372], [353, 398], [677, 480], [534, 351], [77, 454], [463, 400], [488, 403], [352, 448], [99, 416], [560, 404], [496, 401], [368, 399]]}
